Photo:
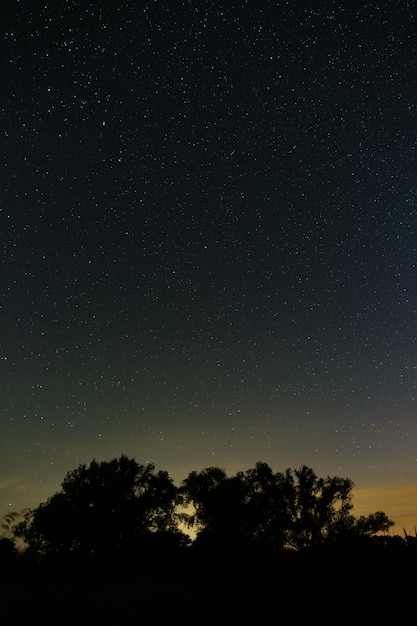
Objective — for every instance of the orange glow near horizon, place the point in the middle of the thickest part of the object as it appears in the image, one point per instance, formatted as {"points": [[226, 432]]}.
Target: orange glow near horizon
{"points": [[399, 503]]}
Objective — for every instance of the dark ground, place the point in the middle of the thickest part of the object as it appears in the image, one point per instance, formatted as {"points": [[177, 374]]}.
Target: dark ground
{"points": [[296, 590]]}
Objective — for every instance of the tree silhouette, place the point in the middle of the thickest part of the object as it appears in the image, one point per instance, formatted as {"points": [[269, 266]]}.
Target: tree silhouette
{"points": [[319, 508], [372, 524], [122, 510], [294, 509], [258, 534], [218, 503], [266, 510], [104, 509], [197, 489]]}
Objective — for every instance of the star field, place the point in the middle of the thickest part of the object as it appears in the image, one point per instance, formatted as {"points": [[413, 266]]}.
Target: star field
{"points": [[208, 226]]}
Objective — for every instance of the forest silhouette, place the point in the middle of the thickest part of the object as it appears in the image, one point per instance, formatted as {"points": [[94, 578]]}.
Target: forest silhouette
{"points": [[113, 545]]}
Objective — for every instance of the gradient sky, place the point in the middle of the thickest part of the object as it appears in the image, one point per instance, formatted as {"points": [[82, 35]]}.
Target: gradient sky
{"points": [[209, 240]]}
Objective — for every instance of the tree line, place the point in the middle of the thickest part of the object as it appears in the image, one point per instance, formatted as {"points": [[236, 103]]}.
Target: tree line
{"points": [[113, 545], [120, 509]]}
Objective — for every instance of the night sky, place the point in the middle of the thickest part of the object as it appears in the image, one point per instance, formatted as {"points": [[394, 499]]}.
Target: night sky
{"points": [[209, 240]]}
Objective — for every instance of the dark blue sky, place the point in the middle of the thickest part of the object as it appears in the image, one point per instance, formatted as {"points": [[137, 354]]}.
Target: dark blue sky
{"points": [[208, 225]]}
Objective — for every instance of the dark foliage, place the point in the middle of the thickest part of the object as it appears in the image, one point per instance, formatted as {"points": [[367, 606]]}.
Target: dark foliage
{"points": [[118, 509], [107, 549], [292, 510], [104, 510]]}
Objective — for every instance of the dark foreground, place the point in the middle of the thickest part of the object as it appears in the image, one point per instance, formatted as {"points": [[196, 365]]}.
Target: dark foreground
{"points": [[345, 588]]}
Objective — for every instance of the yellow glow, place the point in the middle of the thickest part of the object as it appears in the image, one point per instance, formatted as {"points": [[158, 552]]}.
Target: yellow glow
{"points": [[399, 503]]}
